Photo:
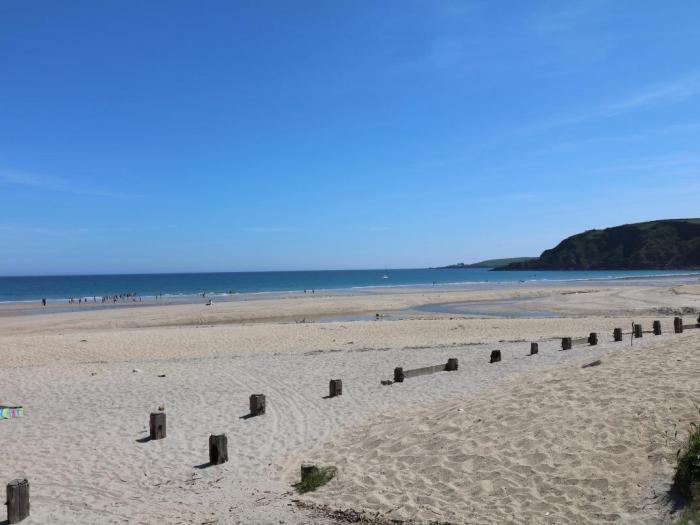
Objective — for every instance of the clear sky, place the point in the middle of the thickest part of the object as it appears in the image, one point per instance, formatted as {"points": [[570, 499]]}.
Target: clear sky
{"points": [[146, 136]]}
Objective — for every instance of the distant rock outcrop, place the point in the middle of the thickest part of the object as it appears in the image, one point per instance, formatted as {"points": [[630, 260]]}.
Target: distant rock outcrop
{"points": [[490, 263]]}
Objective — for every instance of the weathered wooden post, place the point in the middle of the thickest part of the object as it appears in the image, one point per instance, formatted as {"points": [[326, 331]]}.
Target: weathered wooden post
{"points": [[17, 500], [637, 331], [698, 324], [566, 343], [534, 348], [218, 449], [335, 388], [495, 356], [398, 375], [678, 325], [307, 471], [157, 425], [657, 327], [452, 364], [617, 334], [593, 339], [257, 404]]}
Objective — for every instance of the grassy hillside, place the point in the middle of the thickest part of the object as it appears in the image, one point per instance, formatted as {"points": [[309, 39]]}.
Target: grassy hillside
{"points": [[667, 244], [490, 263]]}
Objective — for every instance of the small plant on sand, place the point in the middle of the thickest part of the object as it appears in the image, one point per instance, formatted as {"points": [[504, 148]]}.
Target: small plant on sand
{"points": [[315, 480], [686, 481]]}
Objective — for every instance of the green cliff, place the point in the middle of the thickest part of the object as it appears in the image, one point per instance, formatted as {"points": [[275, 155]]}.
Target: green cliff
{"points": [[666, 244]]}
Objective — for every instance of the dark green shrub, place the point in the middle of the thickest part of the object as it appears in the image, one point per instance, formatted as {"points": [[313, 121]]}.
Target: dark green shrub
{"points": [[318, 479], [687, 478]]}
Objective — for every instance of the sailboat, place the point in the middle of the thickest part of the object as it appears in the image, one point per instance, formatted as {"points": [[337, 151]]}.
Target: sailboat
{"points": [[386, 274]]}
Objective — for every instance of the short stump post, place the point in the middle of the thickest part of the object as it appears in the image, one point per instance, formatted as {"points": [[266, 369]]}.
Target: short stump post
{"points": [[308, 470], [257, 404], [157, 425], [657, 328], [335, 388], [452, 364], [637, 331], [566, 343], [495, 356], [17, 500], [593, 339], [218, 449], [678, 325], [398, 375], [534, 348], [617, 334]]}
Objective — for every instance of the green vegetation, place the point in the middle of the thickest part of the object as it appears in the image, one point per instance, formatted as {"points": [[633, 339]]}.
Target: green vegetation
{"points": [[319, 478], [690, 517], [668, 244], [490, 263], [686, 481]]}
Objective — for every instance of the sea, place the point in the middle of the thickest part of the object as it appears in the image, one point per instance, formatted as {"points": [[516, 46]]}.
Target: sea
{"points": [[183, 285]]}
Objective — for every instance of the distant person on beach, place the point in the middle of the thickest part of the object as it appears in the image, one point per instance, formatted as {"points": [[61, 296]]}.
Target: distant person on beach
{"points": [[43, 303]]}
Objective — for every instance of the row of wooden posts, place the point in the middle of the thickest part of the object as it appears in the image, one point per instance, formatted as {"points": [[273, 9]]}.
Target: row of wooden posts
{"points": [[637, 332], [566, 344], [18, 489]]}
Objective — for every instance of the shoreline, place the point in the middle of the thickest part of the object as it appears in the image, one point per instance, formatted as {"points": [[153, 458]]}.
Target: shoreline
{"points": [[94, 299], [33, 307]]}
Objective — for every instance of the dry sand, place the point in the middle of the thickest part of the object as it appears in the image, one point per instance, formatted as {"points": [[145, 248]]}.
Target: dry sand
{"points": [[490, 443], [565, 445]]}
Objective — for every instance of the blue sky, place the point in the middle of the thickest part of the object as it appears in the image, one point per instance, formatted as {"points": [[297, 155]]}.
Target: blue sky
{"points": [[224, 136]]}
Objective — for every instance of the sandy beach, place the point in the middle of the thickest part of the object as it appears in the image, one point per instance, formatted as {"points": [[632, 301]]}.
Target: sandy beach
{"points": [[532, 439]]}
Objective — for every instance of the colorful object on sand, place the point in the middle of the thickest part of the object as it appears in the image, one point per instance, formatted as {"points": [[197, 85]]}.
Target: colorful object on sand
{"points": [[10, 412]]}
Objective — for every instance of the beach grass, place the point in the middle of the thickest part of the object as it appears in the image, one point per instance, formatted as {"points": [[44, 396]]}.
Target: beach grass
{"points": [[686, 480], [319, 478], [690, 517]]}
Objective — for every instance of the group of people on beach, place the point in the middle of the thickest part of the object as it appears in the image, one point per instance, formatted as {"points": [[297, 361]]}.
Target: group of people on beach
{"points": [[122, 297], [79, 300]]}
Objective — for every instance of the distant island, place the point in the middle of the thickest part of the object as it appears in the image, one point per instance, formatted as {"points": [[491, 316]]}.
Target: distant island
{"points": [[490, 263], [672, 244]]}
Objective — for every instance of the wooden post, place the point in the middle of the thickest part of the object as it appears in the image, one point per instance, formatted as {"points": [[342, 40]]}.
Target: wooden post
{"points": [[698, 325], [308, 470], [157, 425], [617, 334], [657, 327], [495, 356], [257, 404], [17, 500], [678, 325], [398, 375], [593, 339], [566, 343], [637, 331], [335, 388], [452, 364], [218, 449], [534, 348]]}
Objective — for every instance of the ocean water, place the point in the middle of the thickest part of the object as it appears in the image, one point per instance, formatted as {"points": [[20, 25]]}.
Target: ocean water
{"points": [[15, 289]]}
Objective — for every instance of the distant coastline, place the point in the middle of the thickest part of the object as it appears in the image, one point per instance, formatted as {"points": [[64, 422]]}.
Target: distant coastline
{"points": [[489, 263]]}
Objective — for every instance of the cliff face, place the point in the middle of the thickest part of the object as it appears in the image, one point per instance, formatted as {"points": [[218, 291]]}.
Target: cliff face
{"points": [[667, 244]]}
